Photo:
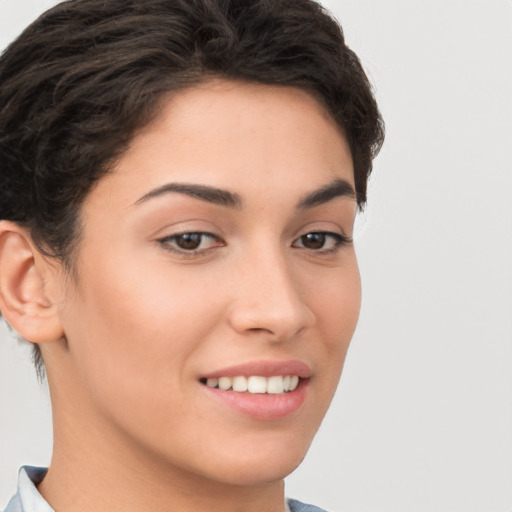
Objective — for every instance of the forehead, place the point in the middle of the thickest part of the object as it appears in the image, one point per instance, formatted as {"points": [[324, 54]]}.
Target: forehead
{"points": [[248, 136]]}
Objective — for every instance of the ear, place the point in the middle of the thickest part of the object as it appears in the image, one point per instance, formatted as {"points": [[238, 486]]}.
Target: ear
{"points": [[27, 286]]}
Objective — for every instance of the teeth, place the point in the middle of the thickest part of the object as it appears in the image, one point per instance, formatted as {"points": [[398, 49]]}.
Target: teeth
{"points": [[225, 383], [212, 383], [240, 384], [257, 385], [275, 385]]}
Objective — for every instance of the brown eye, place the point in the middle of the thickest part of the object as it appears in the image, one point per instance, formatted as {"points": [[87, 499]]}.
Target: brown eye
{"points": [[194, 242], [313, 240], [189, 241], [322, 242]]}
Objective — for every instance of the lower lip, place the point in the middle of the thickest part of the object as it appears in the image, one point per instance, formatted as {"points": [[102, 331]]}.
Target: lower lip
{"points": [[263, 406]]}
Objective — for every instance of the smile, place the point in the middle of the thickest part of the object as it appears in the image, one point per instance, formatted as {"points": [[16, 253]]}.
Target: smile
{"points": [[274, 385]]}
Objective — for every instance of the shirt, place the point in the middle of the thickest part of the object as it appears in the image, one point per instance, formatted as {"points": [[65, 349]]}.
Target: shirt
{"points": [[28, 499]]}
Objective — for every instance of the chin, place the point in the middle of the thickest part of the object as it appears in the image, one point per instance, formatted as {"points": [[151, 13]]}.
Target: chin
{"points": [[258, 464], [259, 473]]}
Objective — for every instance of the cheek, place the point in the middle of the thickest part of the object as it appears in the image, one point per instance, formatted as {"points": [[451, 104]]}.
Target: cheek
{"points": [[336, 299], [131, 346], [127, 328], [337, 306]]}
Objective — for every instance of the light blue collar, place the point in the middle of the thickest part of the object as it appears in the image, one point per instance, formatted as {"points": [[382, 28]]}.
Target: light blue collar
{"points": [[28, 498]]}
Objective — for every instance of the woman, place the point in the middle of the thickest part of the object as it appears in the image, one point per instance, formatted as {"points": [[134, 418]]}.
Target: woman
{"points": [[179, 186]]}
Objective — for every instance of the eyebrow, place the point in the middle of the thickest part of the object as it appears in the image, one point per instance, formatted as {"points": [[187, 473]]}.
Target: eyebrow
{"points": [[203, 192], [337, 188]]}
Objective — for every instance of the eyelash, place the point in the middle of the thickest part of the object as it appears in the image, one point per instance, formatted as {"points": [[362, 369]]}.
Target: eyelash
{"points": [[338, 239], [170, 243]]}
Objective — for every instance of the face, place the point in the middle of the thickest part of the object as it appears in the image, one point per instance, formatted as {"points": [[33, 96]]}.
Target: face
{"points": [[216, 255]]}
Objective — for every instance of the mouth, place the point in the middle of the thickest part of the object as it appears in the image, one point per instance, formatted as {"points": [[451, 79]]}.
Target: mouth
{"points": [[262, 390], [255, 384]]}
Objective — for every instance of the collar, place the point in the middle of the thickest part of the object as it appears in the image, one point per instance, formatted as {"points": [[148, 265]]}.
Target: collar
{"points": [[28, 499]]}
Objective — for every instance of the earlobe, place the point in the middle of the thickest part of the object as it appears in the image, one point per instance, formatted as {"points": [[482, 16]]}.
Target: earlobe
{"points": [[24, 283]]}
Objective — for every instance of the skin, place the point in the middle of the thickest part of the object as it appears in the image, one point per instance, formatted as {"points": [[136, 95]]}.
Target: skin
{"points": [[144, 320]]}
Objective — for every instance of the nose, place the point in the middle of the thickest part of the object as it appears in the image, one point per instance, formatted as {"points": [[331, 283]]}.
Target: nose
{"points": [[268, 300]]}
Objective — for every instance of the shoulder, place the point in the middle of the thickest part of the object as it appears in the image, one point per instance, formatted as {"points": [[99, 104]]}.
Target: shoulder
{"points": [[297, 506]]}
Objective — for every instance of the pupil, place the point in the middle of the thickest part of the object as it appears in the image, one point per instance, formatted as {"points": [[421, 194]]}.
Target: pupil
{"points": [[189, 241], [313, 240]]}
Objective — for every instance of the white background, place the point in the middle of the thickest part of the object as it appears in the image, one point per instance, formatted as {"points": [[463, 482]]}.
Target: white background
{"points": [[423, 417]]}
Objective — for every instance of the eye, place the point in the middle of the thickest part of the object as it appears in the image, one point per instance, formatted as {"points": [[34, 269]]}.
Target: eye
{"points": [[191, 242], [322, 241]]}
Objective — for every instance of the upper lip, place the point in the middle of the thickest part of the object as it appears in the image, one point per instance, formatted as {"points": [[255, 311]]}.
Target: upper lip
{"points": [[263, 369]]}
